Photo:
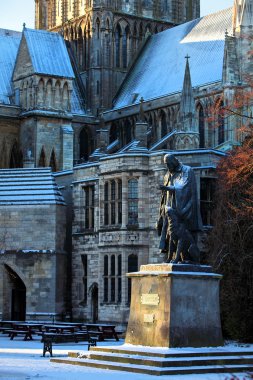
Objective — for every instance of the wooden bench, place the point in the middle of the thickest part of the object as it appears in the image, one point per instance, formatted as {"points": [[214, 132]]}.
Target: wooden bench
{"points": [[5, 330], [49, 338], [13, 333]]}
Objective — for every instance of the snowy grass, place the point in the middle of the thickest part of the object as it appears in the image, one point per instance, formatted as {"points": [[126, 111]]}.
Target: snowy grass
{"points": [[23, 360]]}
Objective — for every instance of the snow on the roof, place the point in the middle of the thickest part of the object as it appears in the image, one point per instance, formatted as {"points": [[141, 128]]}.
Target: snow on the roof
{"points": [[160, 68], [9, 44], [29, 187], [48, 53]]}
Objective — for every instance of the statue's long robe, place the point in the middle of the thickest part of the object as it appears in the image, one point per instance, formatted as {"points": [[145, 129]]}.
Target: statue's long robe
{"points": [[184, 200]]}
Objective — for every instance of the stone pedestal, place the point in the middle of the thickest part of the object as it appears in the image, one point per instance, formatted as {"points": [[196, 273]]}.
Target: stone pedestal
{"points": [[174, 305]]}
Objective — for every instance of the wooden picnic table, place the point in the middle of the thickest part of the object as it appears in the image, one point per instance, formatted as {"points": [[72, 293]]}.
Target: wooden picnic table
{"points": [[108, 331], [59, 328], [75, 324], [9, 323], [24, 329], [31, 326]]}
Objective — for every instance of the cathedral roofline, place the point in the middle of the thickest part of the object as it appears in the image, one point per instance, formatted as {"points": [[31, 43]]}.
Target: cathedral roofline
{"points": [[163, 57]]}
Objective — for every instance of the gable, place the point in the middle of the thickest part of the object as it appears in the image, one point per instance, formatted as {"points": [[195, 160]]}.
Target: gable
{"points": [[23, 67], [49, 54]]}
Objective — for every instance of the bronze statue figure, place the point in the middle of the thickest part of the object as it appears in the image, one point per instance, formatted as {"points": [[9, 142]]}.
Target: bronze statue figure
{"points": [[179, 214]]}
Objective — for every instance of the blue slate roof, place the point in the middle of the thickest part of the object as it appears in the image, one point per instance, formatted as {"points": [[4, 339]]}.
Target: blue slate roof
{"points": [[9, 44], [160, 68], [29, 187], [48, 53]]}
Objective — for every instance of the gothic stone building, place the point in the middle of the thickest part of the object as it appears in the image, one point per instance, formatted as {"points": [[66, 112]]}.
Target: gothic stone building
{"points": [[99, 93]]}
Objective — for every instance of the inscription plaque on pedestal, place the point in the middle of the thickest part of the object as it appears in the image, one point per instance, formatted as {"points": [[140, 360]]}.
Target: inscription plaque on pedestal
{"points": [[149, 318], [150, 299]]}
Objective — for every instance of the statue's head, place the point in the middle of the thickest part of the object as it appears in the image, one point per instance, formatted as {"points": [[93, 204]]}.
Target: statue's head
{"points": [[172, 162]]}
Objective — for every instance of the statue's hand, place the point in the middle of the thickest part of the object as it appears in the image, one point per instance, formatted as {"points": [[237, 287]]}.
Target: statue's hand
{"points": [[166, 188]]}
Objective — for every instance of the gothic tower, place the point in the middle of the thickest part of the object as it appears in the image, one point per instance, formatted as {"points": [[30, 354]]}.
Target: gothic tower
{"points": [[105, 36], [243, 14], [41, 14]]}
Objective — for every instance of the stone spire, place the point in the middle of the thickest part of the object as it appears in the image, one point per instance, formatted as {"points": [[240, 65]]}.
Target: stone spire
{"points": [[242, 14], [187, 135], [187, 104]]}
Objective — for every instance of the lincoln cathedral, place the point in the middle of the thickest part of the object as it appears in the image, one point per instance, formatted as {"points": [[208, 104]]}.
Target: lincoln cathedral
{"points": [[90, 102]]}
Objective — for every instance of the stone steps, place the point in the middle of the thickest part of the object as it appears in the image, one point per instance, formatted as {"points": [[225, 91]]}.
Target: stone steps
{"points": [[162, 363]]}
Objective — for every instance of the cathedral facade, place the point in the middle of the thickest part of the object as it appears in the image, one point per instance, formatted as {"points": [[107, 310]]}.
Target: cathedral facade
{"points": [[99, 92]]}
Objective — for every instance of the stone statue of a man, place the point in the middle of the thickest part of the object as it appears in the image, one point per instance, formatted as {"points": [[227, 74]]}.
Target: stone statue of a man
{"points": [[179, 215]]}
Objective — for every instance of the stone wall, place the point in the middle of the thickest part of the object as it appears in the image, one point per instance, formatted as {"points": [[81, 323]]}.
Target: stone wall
{"points": [[44, 276], [32, 227], [32, 253]]}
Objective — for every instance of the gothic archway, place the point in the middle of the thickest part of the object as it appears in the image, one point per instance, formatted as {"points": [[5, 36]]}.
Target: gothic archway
{"points": [[52, 163], [42, 159], [14, 295], [15, 157]]}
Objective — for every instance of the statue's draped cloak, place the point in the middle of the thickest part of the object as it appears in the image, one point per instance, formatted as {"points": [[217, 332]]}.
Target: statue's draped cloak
{"points": [[184, 199]]}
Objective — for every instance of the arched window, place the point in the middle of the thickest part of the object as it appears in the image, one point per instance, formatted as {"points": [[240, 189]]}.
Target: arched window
{"points": [[221, 126], [65, 97], [52, 163], [163, 124], [113, 202], [89, 206], [97, 28], [42, 159], [57, 96], [132, 267], [201, 122], [133, 202], [112, 278], [84, 144], [134, 39], [118, 45], [141, 32], [125, 47], [88, 53], [40, 98], [80, 49]]}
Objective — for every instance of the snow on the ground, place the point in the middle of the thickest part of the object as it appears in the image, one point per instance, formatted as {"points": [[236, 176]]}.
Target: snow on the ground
{"points": [[23, 360]]}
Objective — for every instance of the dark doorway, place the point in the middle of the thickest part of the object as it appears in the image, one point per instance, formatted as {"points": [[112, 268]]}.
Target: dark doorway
{"points": [[94, 303], [18, 304], [16, 292]]}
